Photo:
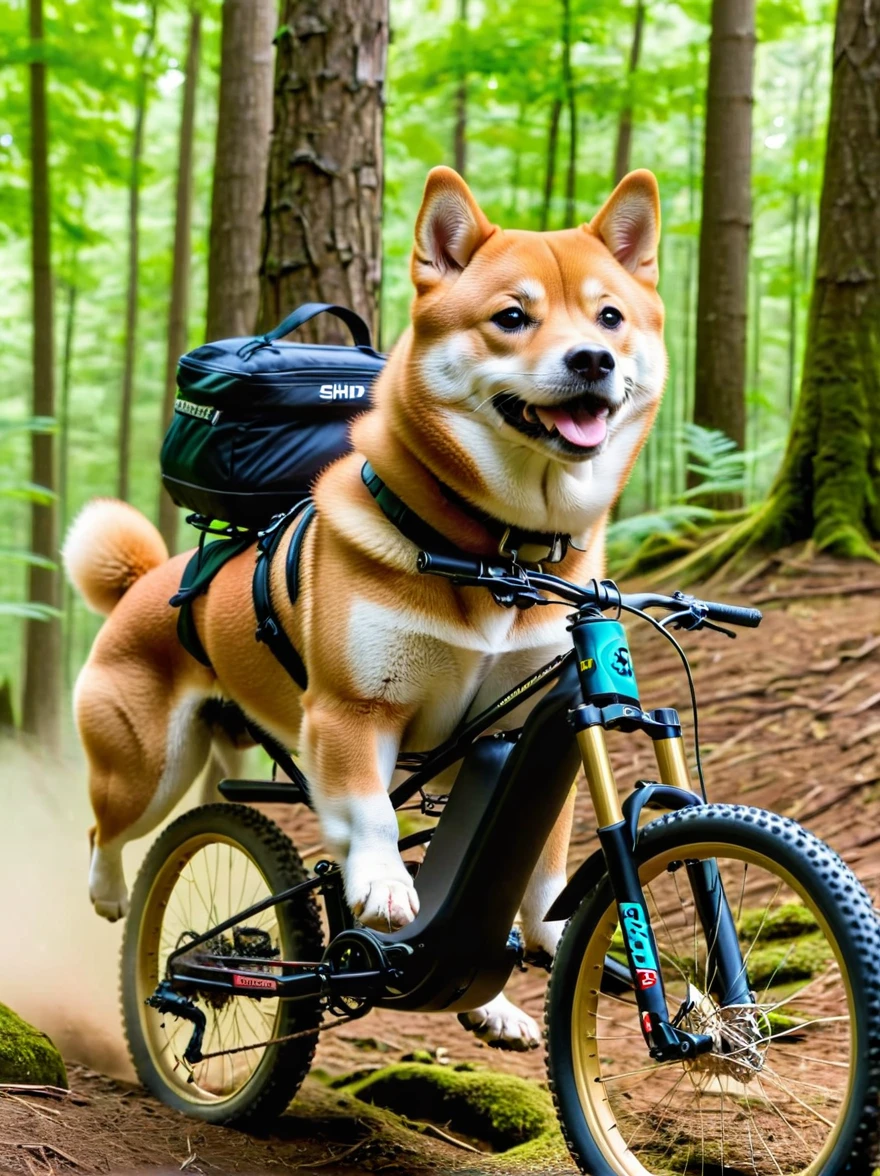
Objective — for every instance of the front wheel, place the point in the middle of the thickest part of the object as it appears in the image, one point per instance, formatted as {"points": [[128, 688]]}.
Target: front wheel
{"points": [[790, 1087]]}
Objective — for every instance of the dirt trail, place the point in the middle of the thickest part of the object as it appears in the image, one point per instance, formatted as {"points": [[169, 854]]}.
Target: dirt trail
{"points": [[790, 720]]}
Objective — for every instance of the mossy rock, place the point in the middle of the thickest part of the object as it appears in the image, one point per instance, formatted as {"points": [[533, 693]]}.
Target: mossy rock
{"points": [[26, 1054], [787, 922], [501, 1109], [779, 962]]}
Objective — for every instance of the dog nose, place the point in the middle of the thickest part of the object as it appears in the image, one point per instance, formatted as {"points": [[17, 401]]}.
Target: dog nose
{"points": [[593, 363]]}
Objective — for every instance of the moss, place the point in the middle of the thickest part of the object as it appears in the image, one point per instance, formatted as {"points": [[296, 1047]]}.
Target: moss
{"points": [[782, 961], [500, 1109], [545, 1154], [26, 1054], [786, 922]]}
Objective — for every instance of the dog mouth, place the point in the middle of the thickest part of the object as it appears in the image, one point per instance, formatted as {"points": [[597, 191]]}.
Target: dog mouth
{"points": [[579, 425]]}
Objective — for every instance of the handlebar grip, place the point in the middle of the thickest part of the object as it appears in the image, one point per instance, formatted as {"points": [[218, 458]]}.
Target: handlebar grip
{"points": [[748, 618], [429, 563]]}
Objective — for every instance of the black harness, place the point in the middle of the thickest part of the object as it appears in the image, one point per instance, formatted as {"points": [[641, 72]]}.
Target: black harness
{"points": [[514, 543], [525, 547], [210, 558]]}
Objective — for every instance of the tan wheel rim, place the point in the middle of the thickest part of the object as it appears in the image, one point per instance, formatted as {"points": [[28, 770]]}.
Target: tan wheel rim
{"points": [[594, 1069], [206, 880]]}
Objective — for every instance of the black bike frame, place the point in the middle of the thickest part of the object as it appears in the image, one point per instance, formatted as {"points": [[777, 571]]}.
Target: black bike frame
{"points": [[459, 951]]}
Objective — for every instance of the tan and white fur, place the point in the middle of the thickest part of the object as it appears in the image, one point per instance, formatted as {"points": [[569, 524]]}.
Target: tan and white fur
{"points": [[483, 393]]}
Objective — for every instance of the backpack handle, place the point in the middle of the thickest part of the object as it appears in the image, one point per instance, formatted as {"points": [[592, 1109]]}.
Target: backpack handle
{"points": [[360, 332]]}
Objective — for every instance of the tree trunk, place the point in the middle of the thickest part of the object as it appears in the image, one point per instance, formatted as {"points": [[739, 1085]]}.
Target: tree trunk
{"points": [[828, 487], [550, 173], [755, 376], [829, 482], [244, 127], [64, 457], [41, 709], [131, 300], [571, 106], [177, 313], [623, 148], [322, 239], [461, 97], [719, 397]]}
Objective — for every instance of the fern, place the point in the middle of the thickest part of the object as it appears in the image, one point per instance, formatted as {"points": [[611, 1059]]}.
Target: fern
{"points": [[722, 469]]}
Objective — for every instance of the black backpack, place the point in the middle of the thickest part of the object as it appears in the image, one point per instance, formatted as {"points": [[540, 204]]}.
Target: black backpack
{"points": [[255, 420]]}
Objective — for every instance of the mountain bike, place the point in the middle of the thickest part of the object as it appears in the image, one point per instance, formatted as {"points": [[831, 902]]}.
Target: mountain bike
{"points": [[713, 1006]]}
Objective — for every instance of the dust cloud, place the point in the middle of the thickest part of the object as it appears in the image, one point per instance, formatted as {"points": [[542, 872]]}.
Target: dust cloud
{"points": [[58, 959]]}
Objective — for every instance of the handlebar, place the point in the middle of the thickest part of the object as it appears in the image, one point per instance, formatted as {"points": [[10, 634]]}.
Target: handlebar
{"points": [[516, 586]]}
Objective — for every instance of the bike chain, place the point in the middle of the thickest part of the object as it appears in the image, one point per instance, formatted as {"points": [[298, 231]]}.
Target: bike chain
{"points": [[219, 1053]]}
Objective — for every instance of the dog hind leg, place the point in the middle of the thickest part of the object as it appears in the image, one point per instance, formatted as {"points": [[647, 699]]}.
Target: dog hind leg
{"points": [[140, 767], [500, 1023], [545, 885]]}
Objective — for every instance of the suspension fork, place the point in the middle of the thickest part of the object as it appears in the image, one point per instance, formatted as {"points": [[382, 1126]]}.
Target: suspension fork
{"points": [[607, 677], [665, 1042]]}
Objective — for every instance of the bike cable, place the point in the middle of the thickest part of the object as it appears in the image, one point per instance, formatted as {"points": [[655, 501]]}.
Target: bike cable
{"points": [[660, 626]]}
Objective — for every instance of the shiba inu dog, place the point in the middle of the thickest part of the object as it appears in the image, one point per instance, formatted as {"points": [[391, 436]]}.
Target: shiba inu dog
{"points": [[520, 395]]}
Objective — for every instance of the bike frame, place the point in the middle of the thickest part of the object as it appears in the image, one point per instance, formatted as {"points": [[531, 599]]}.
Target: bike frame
{"points": [[459, 951]]}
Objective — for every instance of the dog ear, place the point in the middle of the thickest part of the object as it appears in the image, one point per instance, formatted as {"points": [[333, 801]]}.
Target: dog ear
{"points": [[450, 228], [629, 224]]}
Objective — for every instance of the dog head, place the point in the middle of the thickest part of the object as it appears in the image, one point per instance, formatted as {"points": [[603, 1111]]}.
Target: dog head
{"points": [[535, 362]]}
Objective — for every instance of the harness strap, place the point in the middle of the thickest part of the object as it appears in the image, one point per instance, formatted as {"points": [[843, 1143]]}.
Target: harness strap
{"points": [[523, 546], [200, 570], [270, 631], [407, 521]]}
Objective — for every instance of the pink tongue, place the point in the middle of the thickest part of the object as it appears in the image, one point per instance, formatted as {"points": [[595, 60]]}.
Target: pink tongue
{"points": [[581, 429]]}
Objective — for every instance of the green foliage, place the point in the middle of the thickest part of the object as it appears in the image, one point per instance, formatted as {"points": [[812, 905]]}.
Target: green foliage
{"points": [[20, 491], [638, 543], [510, 56]]}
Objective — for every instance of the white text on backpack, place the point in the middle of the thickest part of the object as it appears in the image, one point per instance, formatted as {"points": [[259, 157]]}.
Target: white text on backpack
{"points": [[342, 391]]}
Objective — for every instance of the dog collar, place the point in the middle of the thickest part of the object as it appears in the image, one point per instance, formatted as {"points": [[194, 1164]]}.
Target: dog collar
{"points": [[527, 547]]}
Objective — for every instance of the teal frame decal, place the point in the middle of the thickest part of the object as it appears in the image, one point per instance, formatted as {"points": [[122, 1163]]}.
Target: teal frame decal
{"points": [[639, 943]]}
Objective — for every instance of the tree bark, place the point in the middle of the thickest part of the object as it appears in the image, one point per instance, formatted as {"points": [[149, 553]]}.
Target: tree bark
{"points": [[571, 106], [461, 97], [131, 300], [244, 127], [623, 147], [41, 709], [322, 240], [72, 292], [719, 397], [828, 486], [550, 173], [178, 310]]}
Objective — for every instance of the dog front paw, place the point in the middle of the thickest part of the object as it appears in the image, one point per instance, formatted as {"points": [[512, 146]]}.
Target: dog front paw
{"points": [[502, 1025], [385, 904]]}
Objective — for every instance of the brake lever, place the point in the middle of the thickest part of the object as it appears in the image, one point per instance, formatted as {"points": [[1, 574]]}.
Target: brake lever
{"points": [[719, 629], [696, 615]]}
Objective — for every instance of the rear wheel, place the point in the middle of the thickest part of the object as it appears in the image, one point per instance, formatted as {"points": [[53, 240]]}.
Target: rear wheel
{"points": [[790, 1086], [204, 868]]}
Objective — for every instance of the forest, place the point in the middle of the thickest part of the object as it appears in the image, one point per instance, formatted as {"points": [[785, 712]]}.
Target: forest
{"points": [[119, 187], [174, 172]]}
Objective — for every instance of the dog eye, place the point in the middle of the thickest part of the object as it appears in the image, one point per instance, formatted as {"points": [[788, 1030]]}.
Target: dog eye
{"points": [[513, 318], [610, 316]]}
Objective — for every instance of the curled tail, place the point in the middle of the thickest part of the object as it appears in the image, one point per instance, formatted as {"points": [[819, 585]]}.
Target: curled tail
{"points": [[110, 545]]}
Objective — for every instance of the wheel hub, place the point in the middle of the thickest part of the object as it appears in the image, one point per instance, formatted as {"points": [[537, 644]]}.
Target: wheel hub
{"points": [[736, 1034]]}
